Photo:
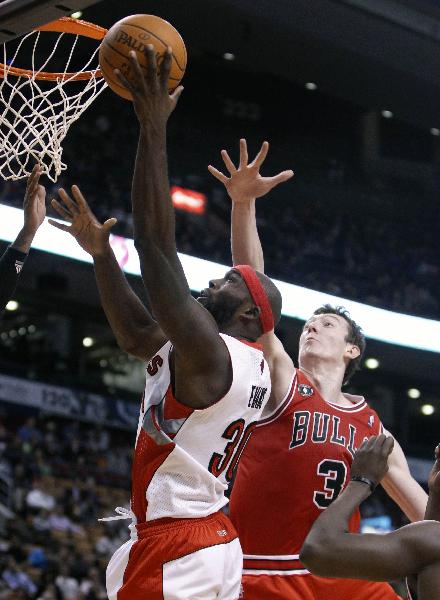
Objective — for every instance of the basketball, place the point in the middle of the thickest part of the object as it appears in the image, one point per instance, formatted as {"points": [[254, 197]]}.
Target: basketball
{"points": [[135, 33]]}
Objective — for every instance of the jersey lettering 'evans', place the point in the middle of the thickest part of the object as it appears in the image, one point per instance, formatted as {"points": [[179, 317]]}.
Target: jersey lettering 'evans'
{"points": [[311, 443]]}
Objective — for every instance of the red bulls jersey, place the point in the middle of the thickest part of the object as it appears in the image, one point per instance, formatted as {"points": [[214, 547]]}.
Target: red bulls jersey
{"points": [[295, 464]]}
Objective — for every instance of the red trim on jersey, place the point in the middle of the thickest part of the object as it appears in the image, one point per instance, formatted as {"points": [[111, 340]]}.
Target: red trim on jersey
{"points": [[148, 456], [255, 345], [359, 406], [356, 406], [272, 564], [258, 295], [284, 404], [174, 409]]}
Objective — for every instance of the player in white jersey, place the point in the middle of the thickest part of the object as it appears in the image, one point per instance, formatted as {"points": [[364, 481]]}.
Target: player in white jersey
{"points": [[206, 383]]}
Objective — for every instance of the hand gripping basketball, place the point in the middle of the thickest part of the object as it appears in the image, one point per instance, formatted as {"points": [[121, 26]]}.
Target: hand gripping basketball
{"points": [[152, 102]]}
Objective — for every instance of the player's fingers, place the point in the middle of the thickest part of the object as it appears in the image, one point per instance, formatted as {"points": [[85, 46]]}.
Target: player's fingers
{"points": [[261, 156], [176, 94], [68, 203], [32, 184], [59, 208], [165, 67], [34, 174], [124, 81], [140, 84], [31, 190], [81, 202], [228, 162], [109, 223], [371, 442], [218, 174], [381, 440], [363, 445], [388, 446], [151, 67], [59, 225], [244, 157], [280, 178]]}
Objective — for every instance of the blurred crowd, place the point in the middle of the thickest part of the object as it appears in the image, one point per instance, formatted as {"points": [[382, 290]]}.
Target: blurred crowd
{"points": [[340, 226], [381, 261], [57, 477]]}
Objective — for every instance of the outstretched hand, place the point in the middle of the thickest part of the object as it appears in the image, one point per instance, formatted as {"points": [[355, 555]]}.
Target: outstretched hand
{"points": [[371, 458], [245, 182], [90, 234], [152, 102], [34, 205]]}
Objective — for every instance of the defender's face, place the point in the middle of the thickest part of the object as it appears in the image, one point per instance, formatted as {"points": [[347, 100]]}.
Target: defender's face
{"points": [[224, 296], [324, 336]]}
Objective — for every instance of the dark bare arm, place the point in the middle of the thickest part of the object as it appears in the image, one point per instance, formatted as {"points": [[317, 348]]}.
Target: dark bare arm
{"points": [[202, 367], [378, 558], [34, 212], [133, 326]]}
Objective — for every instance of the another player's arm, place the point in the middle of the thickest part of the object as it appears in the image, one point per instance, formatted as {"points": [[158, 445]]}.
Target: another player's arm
{"points": [[433, 505], [34, 212], [134, 328], [401, 486], [244, 185], [202, 363], [378, 558]]}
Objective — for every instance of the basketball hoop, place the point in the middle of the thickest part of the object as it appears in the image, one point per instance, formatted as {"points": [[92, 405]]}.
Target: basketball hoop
{"points": [[38, 105]]}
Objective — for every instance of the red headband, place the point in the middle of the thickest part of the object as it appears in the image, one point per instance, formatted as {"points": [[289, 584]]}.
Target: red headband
{"points": [[258, 295]]}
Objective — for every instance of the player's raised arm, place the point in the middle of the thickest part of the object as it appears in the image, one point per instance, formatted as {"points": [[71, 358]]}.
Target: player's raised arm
{"points": [[244, 185], [401, 486], [34, 211], [133, 326], [202, 359]]}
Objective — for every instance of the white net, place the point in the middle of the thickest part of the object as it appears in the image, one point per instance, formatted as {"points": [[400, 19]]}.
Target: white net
{"points": [[37, 111]]}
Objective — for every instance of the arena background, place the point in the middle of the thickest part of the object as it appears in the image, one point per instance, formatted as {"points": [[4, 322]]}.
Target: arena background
{"points": [[348, 94]]}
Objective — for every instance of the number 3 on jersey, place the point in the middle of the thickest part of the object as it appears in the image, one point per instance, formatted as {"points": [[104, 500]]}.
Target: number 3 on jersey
{"points": [[335, 474]]}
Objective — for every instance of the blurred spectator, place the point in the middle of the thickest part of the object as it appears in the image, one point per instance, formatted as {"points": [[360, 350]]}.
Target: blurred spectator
{"points": [[17, 578], [67, 586], [38, 497]]}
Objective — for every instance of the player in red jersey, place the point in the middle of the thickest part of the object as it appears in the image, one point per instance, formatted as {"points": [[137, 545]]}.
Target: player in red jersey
{"points": [[413, 550], [299, 456]]}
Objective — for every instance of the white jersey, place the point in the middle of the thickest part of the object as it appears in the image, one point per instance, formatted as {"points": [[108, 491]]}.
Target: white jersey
{"points": [[184, 458]]}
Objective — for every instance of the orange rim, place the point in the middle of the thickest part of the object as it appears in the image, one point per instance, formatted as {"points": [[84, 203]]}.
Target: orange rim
{"points": [[62, 25]]}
